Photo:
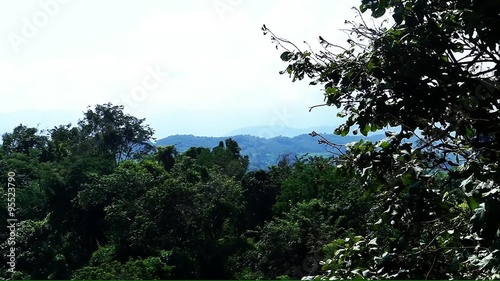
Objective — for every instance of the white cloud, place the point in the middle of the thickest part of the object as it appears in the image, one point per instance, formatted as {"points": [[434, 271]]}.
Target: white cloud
{"points": [[217, 72]]}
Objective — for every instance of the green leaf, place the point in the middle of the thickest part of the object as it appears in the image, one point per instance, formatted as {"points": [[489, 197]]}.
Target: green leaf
{"points": [[383, 144], [342, 130], [345, 131], [468, 132], [332, 91], [370, 65], [378, 12], [286, 56], [363, 8], [407, 179], [473, 204], [384, 3], [365, 130], [398, 18]]}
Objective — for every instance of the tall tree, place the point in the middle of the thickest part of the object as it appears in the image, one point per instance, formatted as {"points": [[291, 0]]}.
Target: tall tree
{"points": [[23, 140], [433, 74], [107, 130]]}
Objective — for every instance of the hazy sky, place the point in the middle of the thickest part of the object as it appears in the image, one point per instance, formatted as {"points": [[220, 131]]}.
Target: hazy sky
{"points": [[189, 67]]}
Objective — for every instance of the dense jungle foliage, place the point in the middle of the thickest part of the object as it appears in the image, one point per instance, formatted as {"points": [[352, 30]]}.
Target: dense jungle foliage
{"points": [[98, 201]]}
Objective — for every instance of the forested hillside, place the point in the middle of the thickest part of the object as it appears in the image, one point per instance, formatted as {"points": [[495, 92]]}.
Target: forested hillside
{"points": [[262, 152], [99, 201]]}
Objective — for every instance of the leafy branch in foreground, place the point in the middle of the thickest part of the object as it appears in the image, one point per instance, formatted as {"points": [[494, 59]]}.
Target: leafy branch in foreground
{"points": [[433, 75]]}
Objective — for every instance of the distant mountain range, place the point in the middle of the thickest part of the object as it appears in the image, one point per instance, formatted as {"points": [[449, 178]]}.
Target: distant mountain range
{"points": [[263, 144], [264, 152], [277, 131]]}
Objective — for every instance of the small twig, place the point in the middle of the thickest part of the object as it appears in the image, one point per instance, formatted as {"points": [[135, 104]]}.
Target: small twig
{"points": [[433, 262], [279, 40], [318, 105], [328, 44], [323, 140]]}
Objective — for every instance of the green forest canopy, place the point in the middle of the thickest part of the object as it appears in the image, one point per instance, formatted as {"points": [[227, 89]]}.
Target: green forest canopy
{"points": [[98, 201]]}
